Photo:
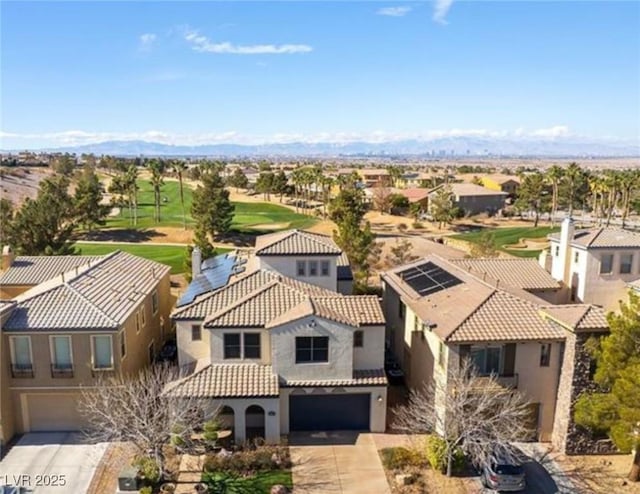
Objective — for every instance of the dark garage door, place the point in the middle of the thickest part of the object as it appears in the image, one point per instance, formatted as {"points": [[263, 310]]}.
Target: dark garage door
{"points": [[329, 413]]}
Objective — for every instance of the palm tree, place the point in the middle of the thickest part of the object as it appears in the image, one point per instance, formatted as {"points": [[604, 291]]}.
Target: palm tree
{"points": [[573, 177], [612, 185], [179, 167], [553, 176], [629, 180], [157, 181], [597, 189], [131, 184]]}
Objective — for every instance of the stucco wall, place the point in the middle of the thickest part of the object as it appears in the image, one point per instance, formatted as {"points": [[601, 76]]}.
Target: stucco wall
{"points": [[189, 350], [480, 204], [10, 291], [286, 265], [216, 345], [239, 405], [607, 289], [371, 354], [377, 409], [345, 287], [283, 351]]}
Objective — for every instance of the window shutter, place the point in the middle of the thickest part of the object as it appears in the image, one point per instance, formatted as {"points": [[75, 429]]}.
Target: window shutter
{"points": [[509, 359]]}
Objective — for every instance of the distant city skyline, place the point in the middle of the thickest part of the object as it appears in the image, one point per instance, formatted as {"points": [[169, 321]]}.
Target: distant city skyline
{"points": [[198, 73]]}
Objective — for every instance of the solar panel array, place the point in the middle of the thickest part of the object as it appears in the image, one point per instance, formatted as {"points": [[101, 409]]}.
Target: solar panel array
{"points": [[215, 274], [428, 278]]}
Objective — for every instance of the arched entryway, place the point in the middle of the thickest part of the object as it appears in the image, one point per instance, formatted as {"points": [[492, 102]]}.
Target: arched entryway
{"points": [[226, 418], [254, 422]]}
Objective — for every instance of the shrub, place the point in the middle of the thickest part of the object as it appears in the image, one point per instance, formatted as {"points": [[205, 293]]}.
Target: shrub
{"points": [[436, 449], [417, 225], [398, 458], [146, 490], [210, 434], [259, 460], [147, 468]]}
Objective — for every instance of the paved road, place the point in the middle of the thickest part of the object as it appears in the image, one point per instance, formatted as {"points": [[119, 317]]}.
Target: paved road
{"points": [[336, 463], [51, 463]]}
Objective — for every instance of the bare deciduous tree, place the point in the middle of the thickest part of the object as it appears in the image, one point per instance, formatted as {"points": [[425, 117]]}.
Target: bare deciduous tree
{"points": [[135, 409], [470, 412]]}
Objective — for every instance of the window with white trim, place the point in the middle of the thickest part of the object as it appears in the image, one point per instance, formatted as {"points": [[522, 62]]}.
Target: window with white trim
{"points": [[324, 268], [301, 268], [21, 353], [101, 352], [251, 345], [606, 263], [312, 349], [626, 262], [313, 268], [231, 345]]}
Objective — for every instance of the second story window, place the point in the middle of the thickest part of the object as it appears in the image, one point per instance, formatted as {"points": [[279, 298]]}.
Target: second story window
{"points": [[231, 345], [61, 353], [358, 339], [626, 262], [21, 361], [487, 360], [606, 263], [324, 268], [311, 349], [154, 302], [313, 268], [102, 355], [545, 354], [196, 332], [251, 345], [576, 257], [301, 268]]}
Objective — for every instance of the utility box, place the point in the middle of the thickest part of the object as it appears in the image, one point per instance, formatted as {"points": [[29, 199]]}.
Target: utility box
{"points": [[128, 480]]}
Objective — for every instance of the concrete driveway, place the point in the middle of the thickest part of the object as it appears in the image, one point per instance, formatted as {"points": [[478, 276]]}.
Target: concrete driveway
{"points": [[336, 463], [51, 463]]}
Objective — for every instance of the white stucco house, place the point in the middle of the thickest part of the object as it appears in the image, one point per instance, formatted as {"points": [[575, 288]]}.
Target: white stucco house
{"points": [[597, 265], [275, 347]]}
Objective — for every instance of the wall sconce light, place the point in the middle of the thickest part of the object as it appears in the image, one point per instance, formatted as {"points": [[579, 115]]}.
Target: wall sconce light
{"points": [[271, 413], [312, 324], [379, 398]]}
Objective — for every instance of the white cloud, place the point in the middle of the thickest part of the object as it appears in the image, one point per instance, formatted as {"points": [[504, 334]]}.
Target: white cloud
{"points": [[81, 137], [440, 10], [146, 41], [203, 44], [552, 132], [394, 11]]}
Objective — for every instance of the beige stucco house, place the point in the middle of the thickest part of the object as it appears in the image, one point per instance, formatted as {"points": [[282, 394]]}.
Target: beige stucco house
{"points": [[596, 265], [104, 317], [473, 199], [275, 352], [438, 313]]}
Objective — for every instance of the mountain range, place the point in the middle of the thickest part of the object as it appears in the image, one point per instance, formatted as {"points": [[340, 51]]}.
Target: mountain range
{"points": [[440, 147]]}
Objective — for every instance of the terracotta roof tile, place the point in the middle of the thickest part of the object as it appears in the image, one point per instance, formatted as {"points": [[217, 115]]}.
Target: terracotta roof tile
{"points": [[577, 317], [33, 270], [227, 381], [372, 377], [603, 237], [520, 273], [296, 242]]}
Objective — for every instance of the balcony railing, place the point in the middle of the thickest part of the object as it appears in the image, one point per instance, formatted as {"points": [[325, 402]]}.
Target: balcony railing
{"points": [[61, 371], [504, 381], [21, 370]]}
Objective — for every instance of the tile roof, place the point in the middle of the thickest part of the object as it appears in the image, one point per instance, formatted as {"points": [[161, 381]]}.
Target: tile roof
{"points": [[475, 310], [578, 317], [471, 190], [414, 194], [603, 237], [227, 381], [33, 270], [520, 273], [101, 296], [284, 300], [372, 377], [296, 242]]}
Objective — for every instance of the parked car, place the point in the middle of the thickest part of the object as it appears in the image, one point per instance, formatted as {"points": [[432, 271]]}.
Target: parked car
{"points": [[504, 475]]}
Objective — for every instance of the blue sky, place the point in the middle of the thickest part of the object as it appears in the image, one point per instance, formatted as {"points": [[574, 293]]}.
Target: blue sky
{"points": [[203, 72]]}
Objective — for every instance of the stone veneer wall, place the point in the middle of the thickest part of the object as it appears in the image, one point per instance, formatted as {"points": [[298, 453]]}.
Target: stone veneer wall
{"points": [[568, 437]]}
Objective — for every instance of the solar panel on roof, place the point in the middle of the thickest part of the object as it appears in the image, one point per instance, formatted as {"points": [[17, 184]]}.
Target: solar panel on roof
{"points": [[215, 274], [428, 278]]}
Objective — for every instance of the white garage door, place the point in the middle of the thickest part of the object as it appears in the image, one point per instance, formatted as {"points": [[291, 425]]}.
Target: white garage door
{"points": [[53, 413]]}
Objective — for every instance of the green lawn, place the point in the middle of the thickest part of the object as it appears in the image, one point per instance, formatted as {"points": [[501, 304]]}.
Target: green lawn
{"points": [[172, 255], [249, 216], [260, 483], [508, 236]]}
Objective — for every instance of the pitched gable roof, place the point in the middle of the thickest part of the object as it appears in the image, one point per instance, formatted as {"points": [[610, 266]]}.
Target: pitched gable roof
{"points": [[603, 237], [517, 272], [33, 270], [101, 296], [296, 242], [577, 317]]}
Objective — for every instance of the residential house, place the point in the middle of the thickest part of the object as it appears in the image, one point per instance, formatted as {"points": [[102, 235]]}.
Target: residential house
{"points": [[504, 183], [474, 199], [416, 195], [21, 273], [438, 313], [596, 264], [373, 176], [99, 319], [279, 351]]}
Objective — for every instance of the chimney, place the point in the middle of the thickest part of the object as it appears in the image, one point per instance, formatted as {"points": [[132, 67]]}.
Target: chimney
{"points": [[562, 262], [196, 262], [7, 257]]}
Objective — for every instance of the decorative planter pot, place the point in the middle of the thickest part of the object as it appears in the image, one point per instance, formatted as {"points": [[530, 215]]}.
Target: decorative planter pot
{"points": [[168, 488], [200, 488]]}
